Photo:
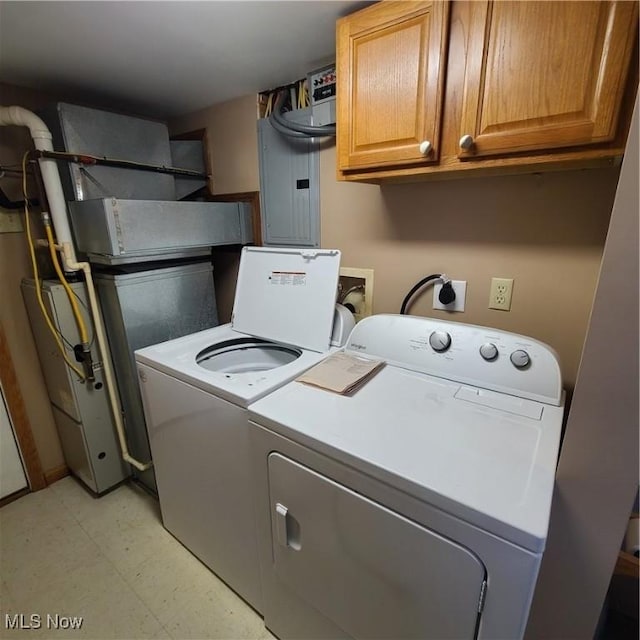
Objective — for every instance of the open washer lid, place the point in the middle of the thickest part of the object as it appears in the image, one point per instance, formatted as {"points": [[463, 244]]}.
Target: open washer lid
{"points": [[287, 295]]}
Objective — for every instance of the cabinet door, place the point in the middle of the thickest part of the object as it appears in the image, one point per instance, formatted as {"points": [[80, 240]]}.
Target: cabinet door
{"points": [[390, 82], [370, 571], [543, 75]]}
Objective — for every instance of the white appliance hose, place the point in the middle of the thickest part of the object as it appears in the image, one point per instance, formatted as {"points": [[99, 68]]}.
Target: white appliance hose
{"points": [[41, 135]]}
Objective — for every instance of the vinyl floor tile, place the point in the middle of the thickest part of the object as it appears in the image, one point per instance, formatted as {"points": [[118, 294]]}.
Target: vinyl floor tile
{"points": [[97, 594], [109, 561]]}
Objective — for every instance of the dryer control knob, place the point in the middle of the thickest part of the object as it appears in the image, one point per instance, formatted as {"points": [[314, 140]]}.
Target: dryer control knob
{"points": [[440, 341], [489, 351], [520, 359]]}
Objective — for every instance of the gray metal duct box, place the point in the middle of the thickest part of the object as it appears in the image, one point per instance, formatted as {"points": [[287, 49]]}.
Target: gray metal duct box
{"points": [[144, 308], [188, 154], [112, 231], [82, 130]]}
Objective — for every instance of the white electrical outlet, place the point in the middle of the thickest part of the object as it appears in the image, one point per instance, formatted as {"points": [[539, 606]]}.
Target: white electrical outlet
{"points": [[500, 294], [460, 287], [355, 291]]}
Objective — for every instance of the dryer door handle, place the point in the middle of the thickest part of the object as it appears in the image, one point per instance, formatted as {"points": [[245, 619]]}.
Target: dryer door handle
{"points": [[281, 524], [287, 528]]}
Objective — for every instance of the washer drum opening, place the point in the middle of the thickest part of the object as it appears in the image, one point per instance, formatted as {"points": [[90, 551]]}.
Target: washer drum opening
{"points": [[245, 355]]}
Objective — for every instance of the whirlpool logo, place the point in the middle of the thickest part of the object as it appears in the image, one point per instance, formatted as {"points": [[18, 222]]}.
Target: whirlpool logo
{"points": [[359, 347]]}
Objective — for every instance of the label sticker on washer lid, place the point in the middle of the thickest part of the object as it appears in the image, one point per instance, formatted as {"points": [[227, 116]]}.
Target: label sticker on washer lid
{"points": [[293, 278]]}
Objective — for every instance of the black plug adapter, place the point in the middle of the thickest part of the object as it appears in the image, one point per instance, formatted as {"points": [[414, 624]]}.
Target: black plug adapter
{"points": [[447, 294]]}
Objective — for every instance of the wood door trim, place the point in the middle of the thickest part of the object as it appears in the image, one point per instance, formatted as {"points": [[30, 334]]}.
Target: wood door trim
{"points": [[19, 418], [55, 474]]}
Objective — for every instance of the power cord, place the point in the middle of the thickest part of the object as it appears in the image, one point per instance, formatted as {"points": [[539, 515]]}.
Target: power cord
{"points": [[447, 294]]}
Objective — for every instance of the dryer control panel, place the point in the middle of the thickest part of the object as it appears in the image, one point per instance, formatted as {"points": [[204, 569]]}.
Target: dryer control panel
{"points": [[470, 354]]}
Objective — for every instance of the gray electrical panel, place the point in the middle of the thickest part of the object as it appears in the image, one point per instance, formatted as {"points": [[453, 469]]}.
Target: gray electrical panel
{"points": [[289, 185], [80, 409]]}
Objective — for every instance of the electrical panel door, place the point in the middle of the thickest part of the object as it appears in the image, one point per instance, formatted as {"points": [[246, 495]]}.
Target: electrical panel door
{"points": [[289, 186]]}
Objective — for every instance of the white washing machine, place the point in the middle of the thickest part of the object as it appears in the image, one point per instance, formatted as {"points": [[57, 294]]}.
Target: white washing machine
{"points": [[418, 506], [196, 390]]}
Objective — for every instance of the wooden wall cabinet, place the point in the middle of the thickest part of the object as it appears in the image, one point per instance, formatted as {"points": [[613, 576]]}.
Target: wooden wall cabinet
{"points": [[528, 85], [391, 72]]}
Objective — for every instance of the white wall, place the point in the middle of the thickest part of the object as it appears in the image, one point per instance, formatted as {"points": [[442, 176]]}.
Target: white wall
{"points": [[597, 476]]}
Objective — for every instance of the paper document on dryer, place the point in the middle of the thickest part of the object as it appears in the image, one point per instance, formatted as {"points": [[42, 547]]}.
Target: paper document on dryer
{"points": [[341, 372]]}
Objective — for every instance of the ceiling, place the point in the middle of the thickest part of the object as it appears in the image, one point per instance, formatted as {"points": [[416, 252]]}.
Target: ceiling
{"points": [[164, 59]]}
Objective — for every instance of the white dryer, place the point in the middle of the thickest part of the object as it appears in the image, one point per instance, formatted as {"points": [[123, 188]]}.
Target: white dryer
{"points": [[196, 391], [417, 507]]}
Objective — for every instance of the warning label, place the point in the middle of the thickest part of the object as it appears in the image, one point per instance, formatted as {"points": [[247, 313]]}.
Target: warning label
{"points": [[293, 278]]}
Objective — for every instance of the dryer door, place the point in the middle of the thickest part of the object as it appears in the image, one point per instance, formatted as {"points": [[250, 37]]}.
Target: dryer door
{"points": [[372, 572]]}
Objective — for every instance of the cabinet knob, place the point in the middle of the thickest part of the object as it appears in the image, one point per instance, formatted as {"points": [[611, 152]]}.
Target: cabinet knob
{"points": [[425, 147], [466, 142]]}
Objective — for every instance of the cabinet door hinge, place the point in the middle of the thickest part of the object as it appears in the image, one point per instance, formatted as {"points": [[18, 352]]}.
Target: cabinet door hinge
{"points": [[483, 596]]}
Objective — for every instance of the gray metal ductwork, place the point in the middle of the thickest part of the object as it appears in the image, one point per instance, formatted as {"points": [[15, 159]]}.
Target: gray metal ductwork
{"points": [[42, 141], [138, 238]]}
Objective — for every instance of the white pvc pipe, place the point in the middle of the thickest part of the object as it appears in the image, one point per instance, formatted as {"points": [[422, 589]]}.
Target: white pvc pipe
{"points": [[106, 360], [58, 211], [48, 168]]}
